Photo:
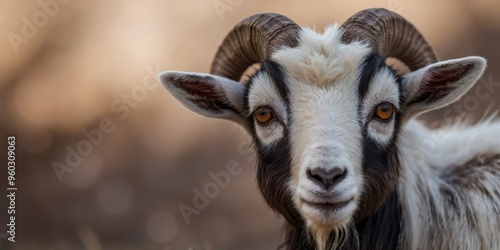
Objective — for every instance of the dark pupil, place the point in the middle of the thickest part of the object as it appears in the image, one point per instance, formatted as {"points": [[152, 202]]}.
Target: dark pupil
{"points": [[384, 108]]}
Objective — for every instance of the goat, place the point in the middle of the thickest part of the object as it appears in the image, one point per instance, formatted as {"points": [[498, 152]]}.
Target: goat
{"points": [[340, 155]]}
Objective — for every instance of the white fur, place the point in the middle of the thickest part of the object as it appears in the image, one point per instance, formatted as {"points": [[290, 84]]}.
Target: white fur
{"points": [[324, 131], [426, 155]]}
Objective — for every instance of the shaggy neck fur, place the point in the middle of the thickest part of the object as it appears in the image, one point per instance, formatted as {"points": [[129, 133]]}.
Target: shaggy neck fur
{"points": [[450, 186]]}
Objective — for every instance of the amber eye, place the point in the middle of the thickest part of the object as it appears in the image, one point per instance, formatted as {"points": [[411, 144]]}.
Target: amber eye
{"points": [[384, 111], [263, 115]]}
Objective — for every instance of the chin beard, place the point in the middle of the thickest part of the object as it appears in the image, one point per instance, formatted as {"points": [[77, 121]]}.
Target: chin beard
{"points": [[327, 238]]}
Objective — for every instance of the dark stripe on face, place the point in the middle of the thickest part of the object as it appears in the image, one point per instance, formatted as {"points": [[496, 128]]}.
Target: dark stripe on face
{"points": [[273, 171], [276, 73], [381, 171], [372, 64], [380, 161]]}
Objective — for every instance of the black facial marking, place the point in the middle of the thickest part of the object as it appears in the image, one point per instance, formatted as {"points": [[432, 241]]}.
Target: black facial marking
{"points": [[381, 166], [273, 170], [276, 73], [372, 64], [379, 206], [273, 175], [274, 166]]}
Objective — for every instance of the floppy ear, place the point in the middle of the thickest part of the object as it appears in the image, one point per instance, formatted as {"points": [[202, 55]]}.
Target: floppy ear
{"points": [[205, 94], [440, 84]]}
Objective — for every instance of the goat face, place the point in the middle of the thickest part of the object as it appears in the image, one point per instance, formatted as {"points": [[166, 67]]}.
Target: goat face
{"points": [[336, 109], [333, 112], [325, 116]]}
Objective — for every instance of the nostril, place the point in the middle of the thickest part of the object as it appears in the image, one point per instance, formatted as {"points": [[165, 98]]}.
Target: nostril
{"points": [[327, 177], [340, 176], [314, 175]]}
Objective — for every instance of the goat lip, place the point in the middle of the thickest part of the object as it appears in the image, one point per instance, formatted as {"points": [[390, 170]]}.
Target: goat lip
{"points": [[327, 204], [324, 195]]}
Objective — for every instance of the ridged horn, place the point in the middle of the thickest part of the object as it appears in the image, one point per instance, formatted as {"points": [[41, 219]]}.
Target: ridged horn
{"points": [[390, 35], [252, 41]]}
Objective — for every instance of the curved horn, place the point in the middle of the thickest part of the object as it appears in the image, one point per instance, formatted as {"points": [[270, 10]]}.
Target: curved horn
{"points": [[252, 41], [390, 35]]}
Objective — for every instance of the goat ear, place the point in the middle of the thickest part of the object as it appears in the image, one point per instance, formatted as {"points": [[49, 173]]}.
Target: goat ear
{"points": [[205, 94], [440, 84]]}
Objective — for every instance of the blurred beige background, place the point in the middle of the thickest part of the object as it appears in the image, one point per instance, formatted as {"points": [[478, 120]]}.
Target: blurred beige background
{"points": [[66, 66]]}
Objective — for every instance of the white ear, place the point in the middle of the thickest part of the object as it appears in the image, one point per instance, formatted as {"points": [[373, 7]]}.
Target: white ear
{"points": [[205, 94], [440, 84]]}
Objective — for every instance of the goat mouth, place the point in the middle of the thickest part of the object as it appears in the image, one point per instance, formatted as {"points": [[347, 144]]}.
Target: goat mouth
{"points": [[327, 205]]}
